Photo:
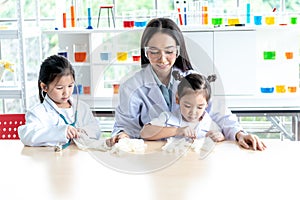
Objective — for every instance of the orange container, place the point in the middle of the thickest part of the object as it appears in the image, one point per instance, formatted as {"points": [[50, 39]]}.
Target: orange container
{"points": [[80, 56], [292, 89], [289, 55], [86, 90], [116, 88]]}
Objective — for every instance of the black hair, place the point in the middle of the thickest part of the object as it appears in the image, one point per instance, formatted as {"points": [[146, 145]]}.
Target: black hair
{"points": [[195, 82], [166, 26], [53, 67]]}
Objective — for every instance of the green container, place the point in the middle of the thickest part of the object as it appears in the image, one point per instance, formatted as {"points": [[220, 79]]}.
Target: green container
{"points": [[217, 21], [293, 20], [269, 55]]}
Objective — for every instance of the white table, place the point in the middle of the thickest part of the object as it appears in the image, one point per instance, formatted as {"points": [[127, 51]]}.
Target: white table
{"points": [[227, 173]]}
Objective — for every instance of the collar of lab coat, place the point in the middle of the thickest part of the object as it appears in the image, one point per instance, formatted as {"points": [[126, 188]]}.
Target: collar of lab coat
{"points": [[154, 90], [53, 105]]}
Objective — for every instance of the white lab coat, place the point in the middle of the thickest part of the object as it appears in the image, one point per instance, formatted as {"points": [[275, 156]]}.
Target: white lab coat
{"points": [[141, 100], [44, 126], [174, 119]]}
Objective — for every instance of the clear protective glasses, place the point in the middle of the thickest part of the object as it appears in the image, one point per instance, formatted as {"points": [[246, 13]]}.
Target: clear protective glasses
{"points": [[154, 53]]}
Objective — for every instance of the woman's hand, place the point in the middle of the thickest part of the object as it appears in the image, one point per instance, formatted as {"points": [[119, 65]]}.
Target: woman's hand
{"points": [[216, 136], [186, 132], [72, 132], [248, 141], [113, 140]]}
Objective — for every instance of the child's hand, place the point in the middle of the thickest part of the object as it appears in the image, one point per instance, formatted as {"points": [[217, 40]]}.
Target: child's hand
{"points": [[216, 136], [186, 132], [72, 132], [113, 140]]}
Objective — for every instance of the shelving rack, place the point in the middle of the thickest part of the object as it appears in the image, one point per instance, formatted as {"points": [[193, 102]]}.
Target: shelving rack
{"points": [[22, 89]]}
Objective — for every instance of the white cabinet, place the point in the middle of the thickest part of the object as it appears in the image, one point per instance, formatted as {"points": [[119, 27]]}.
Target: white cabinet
{"points": [[229, 54], [247, 76], [235, 62], [201, 50]]}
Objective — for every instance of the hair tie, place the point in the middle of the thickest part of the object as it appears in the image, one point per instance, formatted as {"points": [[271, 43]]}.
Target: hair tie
{"points": [[212, 78], [177, 75]]}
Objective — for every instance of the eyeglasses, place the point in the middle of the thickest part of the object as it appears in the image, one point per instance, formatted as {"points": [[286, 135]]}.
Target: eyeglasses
{"points": [[156, 53]]}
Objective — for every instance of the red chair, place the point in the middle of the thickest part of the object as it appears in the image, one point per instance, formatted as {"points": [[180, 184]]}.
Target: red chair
{"points": [[9, 124]]}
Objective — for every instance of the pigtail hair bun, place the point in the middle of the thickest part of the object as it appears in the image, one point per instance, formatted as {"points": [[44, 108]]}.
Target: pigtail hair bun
{"points": [[177, 75], [212, 78]]}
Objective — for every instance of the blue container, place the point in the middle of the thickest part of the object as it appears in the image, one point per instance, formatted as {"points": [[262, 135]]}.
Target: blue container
{"points": [[140, 23], [267, 89], [257, 20], [63, 53], [79, 88]]}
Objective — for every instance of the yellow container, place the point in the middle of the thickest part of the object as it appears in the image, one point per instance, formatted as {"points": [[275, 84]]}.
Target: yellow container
{"points": [[233, 21], [270, 20], [122, 56], [280, 88]]}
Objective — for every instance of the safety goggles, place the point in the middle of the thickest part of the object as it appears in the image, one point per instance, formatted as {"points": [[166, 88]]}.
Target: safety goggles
{"points": [[154, 53]]}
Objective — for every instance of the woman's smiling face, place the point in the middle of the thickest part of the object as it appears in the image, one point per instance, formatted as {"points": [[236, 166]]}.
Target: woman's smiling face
{"points": [[162, 53]]}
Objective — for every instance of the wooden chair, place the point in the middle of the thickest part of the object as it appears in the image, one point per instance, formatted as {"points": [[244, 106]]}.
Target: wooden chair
{"points": [[9, 124]]}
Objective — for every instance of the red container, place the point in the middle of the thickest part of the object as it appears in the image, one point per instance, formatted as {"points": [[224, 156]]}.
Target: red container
{"points": [[136, 58], [128, 24]]}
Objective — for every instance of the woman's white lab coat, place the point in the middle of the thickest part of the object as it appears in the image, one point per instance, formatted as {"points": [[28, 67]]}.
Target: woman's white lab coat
{"points": [[44, 126], [141, 100]]}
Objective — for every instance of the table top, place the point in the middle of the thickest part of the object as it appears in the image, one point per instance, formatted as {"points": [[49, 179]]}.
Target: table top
{"points": [[229, 172]]}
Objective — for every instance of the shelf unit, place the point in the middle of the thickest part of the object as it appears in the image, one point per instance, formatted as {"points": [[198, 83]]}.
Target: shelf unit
{"points": [[234, 54], [91, 73], [12, 91], [20, 88]]}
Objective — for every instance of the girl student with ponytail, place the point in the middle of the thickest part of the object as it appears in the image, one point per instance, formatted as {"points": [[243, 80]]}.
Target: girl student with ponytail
{"points": [[59, 118]]}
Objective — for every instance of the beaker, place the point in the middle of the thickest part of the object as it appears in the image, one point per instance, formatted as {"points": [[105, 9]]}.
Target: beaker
{"points": [[80, 52]]}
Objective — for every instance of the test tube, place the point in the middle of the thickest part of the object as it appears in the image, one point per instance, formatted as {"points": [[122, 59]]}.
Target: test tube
{"points": [[89, 16], [65, 20], [184, 13], [72, 9], [248, 12], [179, 12], [205, 13]]}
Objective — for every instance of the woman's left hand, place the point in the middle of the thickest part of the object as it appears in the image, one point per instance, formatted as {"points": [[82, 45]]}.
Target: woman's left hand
{"points": [[249, 140]]}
